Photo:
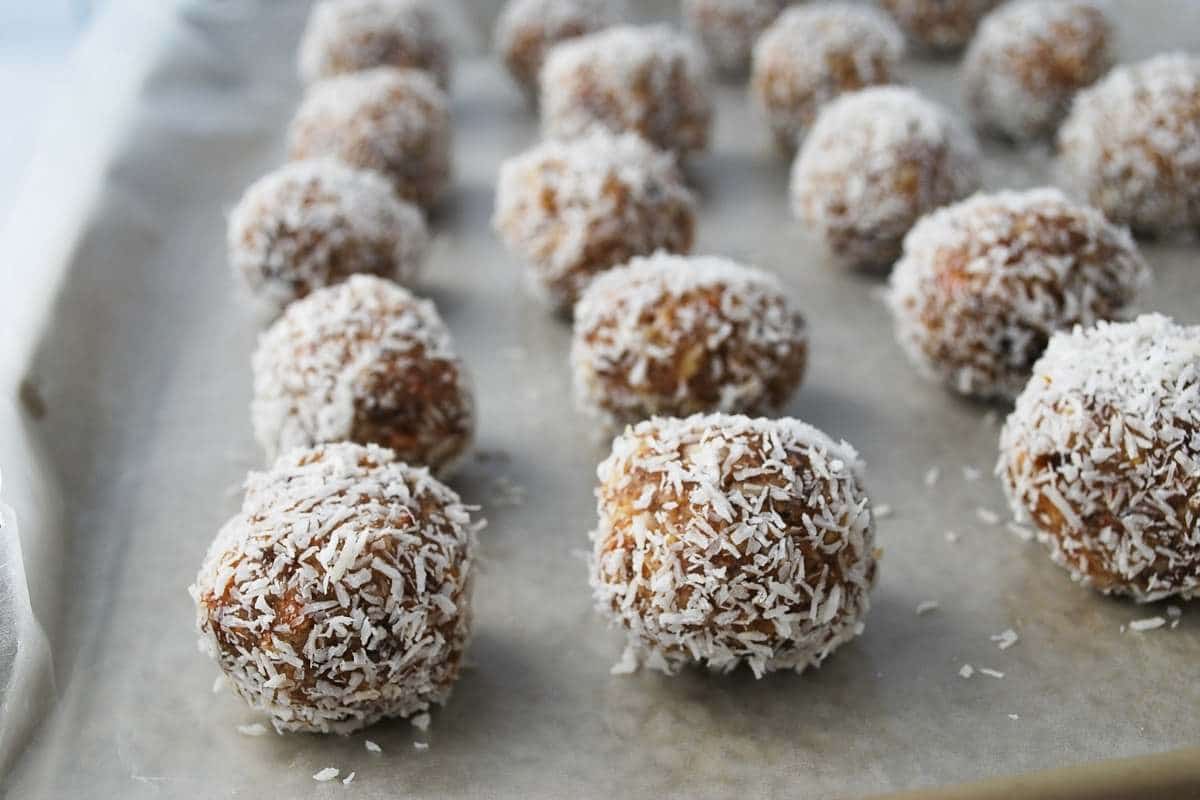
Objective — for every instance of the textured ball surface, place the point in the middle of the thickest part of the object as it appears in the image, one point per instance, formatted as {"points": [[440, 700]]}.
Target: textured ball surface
{"points": [[1131, 144], [677, 335], [1102, 454], [310, 224], [725, 540], [875, 162], [728, 29], [353, 35], [1028, 60], [395, 122], [363, 361], [813, 54], [573, 209], [340, 593], [984, 284], [940, 25], [648, 80], [527, 29]]}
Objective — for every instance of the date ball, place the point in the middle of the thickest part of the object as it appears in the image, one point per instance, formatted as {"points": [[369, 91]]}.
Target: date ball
{"points": [[984, 284], [364, 361], [1131, 144], [340, 593], [353, 35], [527, 29], [572, 209], [393, 121], [314, 223], [813, 54], [939, 25], [728, 29], [1102, 455], [725, 540], [874, 163], [677, 335], [1029, 59], [648, 80]]}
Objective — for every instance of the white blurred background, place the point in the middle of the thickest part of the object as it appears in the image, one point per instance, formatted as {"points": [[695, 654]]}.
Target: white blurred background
{"points": [[36, 37]]}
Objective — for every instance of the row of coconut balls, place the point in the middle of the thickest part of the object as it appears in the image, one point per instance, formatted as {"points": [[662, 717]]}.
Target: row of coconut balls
{"points": [[340, 593], [873, 162]]}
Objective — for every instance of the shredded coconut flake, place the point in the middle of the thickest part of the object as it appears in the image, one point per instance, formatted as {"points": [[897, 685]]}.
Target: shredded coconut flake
{"points": [[326, 774], [926, 607], [1147, 624], [1005, 639], [372, 747], [254, 729], [966, 671], [1020, 531]]}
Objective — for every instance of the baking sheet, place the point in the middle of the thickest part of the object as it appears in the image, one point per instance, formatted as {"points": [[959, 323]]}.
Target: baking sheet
{"points": [[136, 383]]}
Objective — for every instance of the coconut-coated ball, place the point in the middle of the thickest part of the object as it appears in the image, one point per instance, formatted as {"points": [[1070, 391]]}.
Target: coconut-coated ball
{"points": [[572, 209], [527, 29], [340, 594], [363, 361], [1102, 456], [649, 80], [352, 35], [393, 121], [812, 54], [939, 25], [985, 283], [1131, 144], [874, 163], [1028, 60], [728, 29], [725, 540], [677, 335], [310, 224]]}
